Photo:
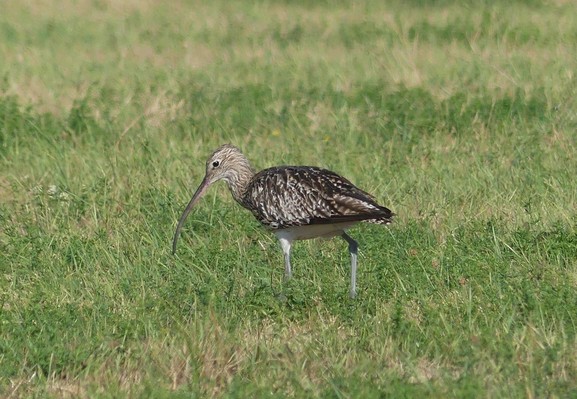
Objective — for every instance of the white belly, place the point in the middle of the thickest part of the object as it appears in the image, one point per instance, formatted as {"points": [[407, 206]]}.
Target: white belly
{"points": [[313, 231]]}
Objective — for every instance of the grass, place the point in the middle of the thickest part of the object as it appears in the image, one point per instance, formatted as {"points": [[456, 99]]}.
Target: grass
{"points": [[459, 116]]}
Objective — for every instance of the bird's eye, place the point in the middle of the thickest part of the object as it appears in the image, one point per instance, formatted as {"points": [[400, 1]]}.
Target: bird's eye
{"points": [[215, 164]]}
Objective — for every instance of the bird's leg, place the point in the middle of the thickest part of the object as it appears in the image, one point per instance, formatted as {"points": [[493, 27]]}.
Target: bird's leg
{"points": [[286, 250], [353, 249]]}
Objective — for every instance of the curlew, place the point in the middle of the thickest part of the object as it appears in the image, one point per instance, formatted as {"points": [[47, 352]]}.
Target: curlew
{"points": [[294, 202]]}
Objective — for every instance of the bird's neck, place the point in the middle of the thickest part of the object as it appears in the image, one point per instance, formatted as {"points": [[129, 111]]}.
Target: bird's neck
{"points": [[238, 180]]}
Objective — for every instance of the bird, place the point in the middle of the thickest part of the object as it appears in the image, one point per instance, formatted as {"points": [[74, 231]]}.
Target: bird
{"points": [[294, 202]]}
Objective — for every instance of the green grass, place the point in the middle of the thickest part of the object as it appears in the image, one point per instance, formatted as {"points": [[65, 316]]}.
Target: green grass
{"points": [[459, 116]]}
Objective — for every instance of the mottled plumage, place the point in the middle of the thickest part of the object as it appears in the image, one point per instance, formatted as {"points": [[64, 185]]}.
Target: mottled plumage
{"points": [[289, 196], [295, 202]]}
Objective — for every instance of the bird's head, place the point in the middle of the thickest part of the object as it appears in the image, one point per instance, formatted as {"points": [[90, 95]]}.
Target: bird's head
{"points": [[226, 163], [223, 164]]}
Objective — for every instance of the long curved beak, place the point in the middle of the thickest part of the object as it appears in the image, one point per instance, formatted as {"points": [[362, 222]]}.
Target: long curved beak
{"points": [[199, 193]]}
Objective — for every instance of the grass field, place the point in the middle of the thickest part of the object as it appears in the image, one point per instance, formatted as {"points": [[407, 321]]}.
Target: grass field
{"points": [[458, 115]]}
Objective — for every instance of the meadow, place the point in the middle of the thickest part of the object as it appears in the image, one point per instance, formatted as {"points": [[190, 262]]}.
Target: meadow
{"points": [[460, 116]]}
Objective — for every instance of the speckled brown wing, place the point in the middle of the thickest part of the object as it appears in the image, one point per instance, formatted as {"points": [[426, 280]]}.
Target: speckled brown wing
{"points": [[288, 196]]}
